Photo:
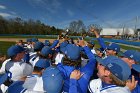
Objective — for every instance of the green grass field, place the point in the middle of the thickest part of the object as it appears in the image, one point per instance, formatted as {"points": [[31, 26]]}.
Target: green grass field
{"points": [[129, 48], [4, 45]]}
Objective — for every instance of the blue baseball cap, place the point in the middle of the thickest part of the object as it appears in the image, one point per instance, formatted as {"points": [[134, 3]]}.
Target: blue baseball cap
{"points": [[42, 63], [129, 54], [136, 67], [63, 46], [46, 50], [14, 50], [38, 45], [132, 54], [113, 46], [116, 66], [34, 39], [47, 43], [72, 51], [137, 56], [52, 80]]}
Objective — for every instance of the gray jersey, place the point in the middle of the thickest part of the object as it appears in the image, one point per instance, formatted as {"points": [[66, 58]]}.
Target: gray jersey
{"points": [[18, 70]]}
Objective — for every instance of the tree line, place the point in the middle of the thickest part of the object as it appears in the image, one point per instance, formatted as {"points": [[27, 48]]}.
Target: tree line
{"points": [[36, 27], [29, 27]]}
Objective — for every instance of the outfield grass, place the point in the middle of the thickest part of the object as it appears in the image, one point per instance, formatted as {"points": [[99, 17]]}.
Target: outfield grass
{"points": [[4, 45], [129, 48]]}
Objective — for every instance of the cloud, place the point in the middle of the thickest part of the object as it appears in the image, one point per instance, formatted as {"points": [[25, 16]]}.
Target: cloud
{"points": [[8, 15], [13, 13], [2, 7], [5, 14]]}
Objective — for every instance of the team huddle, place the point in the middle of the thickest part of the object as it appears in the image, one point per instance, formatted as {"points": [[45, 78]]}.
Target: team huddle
{"points": [[68, 66]]}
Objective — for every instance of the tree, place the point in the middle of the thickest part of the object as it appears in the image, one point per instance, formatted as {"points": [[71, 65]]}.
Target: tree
{"points": [[3, 25], [77, 26], [19, 26], [96, 26]]}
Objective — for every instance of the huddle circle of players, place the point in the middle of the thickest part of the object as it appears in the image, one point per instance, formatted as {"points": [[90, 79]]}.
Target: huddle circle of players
{"points": [[66, 66]]}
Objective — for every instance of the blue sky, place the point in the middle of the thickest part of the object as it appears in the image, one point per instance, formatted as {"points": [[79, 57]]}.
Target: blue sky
{"points": [[59, 13]]}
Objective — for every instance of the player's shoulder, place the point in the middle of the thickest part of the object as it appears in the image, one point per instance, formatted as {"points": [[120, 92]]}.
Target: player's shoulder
{"points": [[95, 85], [95, 81]]}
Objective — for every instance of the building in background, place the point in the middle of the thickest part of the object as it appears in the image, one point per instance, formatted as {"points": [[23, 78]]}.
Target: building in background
{"points": [[119, 33], [116, 31]]}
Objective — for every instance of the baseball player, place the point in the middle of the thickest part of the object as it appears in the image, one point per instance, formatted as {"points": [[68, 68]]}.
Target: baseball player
{"points": [[15, 68], [132, 58], [113, 74], [111, 49], [34, 82], [52, 82], [72, 61]]}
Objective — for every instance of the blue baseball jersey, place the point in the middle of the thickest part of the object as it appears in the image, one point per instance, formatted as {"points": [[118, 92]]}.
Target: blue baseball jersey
{"points": [[87, 70]]}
